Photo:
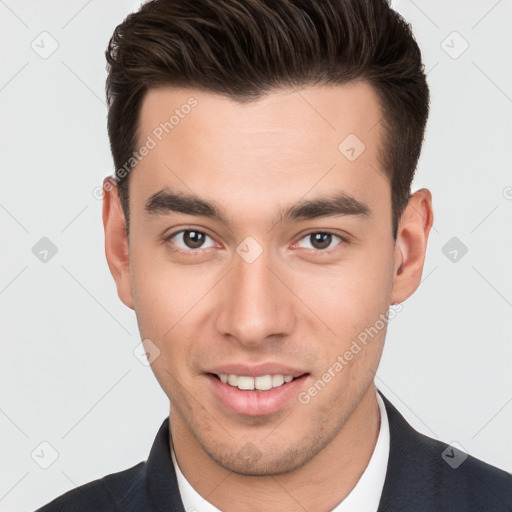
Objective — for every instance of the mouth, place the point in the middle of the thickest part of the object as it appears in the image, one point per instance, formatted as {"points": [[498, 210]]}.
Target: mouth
{"points": [[262, 393], [258, 383]]}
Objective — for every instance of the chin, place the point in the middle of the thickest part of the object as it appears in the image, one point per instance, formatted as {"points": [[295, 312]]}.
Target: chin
{"points": [[250, 460]]}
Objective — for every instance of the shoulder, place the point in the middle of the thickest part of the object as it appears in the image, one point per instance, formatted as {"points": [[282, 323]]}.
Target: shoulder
{"points": [[109, 493], [461, 478], [426, 474], [149, 485]]}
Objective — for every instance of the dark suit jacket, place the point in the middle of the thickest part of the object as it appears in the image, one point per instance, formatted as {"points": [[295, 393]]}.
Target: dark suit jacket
{"points": [[419, 479]]}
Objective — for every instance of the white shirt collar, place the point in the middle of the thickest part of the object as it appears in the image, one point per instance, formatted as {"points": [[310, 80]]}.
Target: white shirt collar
{"points": [[364, 497]]}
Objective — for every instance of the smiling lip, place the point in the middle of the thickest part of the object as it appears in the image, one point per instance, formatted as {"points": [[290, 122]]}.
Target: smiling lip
{"points": [[255, 402], [257, 370]]}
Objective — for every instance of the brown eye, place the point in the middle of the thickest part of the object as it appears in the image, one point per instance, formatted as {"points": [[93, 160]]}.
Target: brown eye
{"points": [[190, 239], [320, 241], [193, 239]]}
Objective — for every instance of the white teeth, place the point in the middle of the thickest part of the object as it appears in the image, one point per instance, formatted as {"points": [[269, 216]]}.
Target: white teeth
{"points": [[261, 383], [277, 380], [245, 382]]}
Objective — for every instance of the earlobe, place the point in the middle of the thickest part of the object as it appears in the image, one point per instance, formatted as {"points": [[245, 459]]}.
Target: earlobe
{"points": [[411, 245], [116, 241]]}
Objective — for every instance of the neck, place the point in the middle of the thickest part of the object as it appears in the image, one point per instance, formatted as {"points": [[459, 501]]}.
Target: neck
{"points": [[319, 485]]}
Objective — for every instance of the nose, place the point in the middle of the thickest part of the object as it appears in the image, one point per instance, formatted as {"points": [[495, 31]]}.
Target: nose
{"points": [[256, 307]]}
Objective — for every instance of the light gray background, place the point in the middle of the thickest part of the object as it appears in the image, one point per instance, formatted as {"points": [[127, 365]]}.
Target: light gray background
{"points": [[68, 373]]}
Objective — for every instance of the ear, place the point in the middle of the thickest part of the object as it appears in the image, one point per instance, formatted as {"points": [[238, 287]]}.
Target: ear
{"points": [[411, 245], [116, 241]]}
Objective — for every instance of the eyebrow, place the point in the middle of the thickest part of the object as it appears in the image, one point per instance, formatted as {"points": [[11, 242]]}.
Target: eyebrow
{"points": [[164, 202]]}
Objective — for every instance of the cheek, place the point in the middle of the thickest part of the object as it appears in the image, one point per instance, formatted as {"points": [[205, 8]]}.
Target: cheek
{"points": [[163, 309], [170, 303], [349, 297], [163, 293], [162, 298]]}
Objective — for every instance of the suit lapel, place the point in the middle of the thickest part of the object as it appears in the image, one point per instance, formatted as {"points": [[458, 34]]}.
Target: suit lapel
{"points": [[410, 479], [161, 483]]}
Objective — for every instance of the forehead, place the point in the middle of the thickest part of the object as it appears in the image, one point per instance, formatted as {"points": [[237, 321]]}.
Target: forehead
{"points": [[298, 115], [285, 145]]}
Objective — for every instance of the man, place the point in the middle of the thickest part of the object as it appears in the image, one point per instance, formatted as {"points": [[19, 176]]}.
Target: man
{"points": [[261, 226]]}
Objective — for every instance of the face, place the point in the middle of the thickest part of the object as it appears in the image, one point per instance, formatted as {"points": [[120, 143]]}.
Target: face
{"points": [[260, 250]]}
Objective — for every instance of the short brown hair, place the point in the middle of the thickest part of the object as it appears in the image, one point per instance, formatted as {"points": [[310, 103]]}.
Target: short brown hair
{"points": [[245, 48]]}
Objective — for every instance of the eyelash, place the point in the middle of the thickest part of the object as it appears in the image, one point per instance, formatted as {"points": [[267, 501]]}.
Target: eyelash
{"points": [[190, 252]]}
